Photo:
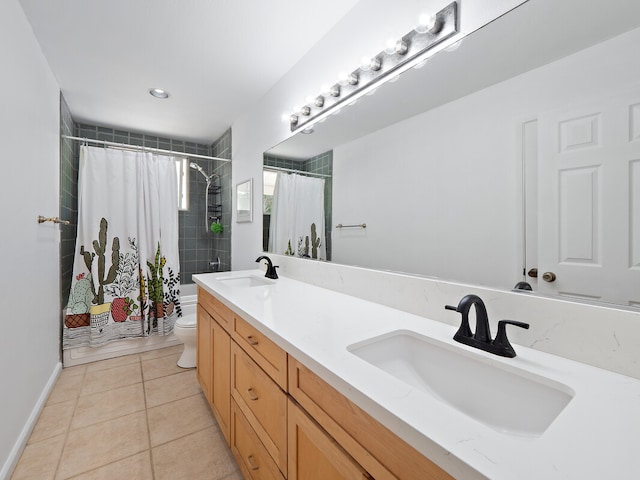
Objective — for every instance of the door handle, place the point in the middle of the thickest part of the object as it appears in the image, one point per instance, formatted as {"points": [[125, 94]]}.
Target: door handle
{"points": [[533, 273], [549, 277]]}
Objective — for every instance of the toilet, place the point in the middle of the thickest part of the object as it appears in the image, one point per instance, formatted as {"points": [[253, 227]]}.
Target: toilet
{"points": [[185, 330]]}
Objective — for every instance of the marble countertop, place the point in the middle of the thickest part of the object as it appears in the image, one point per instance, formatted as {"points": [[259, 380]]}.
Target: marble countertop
{"points": [[595, 436]]}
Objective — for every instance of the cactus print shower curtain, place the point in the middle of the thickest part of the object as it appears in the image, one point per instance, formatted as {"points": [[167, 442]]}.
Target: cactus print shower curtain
{"points": [[126, 273], [297, 217]]}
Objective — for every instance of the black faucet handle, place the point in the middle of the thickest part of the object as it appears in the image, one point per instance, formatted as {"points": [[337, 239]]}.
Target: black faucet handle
{"points": [[465, 330], [502, 342]]}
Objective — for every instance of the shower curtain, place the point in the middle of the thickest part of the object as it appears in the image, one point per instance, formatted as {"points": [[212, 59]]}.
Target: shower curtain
{"points": [[126, 273], [297, 216]]}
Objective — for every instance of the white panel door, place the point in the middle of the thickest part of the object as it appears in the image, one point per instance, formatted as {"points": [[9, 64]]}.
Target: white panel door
{"points": [[589, 200]]}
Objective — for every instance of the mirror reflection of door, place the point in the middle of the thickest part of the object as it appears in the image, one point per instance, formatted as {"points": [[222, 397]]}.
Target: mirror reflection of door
{"points": [[589, 209]]}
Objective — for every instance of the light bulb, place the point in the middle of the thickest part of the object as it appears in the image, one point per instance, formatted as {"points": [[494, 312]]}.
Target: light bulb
{"points": [[425, 23], [285, 117], [324, 89], [390, 47], [343, 78], [365, 63], [295, 109], [310, 99], [421, 64], [454, 46]]}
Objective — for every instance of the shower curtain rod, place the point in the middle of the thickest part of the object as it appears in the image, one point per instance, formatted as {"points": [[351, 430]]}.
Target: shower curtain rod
{"points": [[145, 149], [291, 170]]}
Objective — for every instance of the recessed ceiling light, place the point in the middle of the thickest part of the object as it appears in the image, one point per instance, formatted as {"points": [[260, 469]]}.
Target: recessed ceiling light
{"points": [[158, 93]]}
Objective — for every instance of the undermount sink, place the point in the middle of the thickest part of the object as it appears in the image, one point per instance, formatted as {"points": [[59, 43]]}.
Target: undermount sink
{"points": [[503, 397], [250, 281]]}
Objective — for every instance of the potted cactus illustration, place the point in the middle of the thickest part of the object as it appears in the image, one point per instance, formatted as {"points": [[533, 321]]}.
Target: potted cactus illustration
{"points": [[315, 241], [100, 310], [155, 282], [80, 299]]}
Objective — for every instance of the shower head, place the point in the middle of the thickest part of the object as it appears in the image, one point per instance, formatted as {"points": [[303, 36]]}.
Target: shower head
{"points": [[195, 166]]}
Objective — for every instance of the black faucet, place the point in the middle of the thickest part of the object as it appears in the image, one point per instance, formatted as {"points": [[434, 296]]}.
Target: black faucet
{"points": [[271, 268], [482, 337]]}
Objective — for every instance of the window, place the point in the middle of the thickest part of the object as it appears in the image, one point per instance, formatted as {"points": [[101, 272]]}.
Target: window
{"points": [[182, 168]]}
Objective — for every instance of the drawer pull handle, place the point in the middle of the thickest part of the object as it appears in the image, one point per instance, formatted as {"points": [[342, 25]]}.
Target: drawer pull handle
{"points": [[252, 463], [252, 394], [252, 340]]}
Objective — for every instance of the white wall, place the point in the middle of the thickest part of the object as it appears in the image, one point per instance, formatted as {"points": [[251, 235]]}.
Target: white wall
{"points": [[362, 31], [29, 253], [441, 192]]}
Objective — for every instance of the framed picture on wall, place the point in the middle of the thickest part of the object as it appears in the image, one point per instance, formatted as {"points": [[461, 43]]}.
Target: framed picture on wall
{"points": [[244, 201]]}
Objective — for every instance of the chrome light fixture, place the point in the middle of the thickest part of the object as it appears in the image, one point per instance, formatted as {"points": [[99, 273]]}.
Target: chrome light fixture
{"points": [[413, 48]]}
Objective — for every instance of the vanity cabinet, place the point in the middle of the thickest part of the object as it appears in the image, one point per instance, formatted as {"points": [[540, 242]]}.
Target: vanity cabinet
{"points": [[284, 422]]}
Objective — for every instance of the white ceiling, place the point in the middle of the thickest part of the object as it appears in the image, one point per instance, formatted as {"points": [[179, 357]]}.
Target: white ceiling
{"points": [[215, 57]]}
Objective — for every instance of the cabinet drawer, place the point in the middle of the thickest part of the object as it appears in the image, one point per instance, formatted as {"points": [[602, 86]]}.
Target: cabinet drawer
{"points": [[253, 459], [262, 403], [219, 311], [267, 354], [382, 453]]}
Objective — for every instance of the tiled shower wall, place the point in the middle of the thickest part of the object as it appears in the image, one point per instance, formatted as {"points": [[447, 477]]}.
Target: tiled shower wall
{"points": [[197, 246], [323, 164], [68, 200]]}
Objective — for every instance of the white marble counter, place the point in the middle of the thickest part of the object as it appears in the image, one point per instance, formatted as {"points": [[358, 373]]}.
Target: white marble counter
{"points": [[596, 435]]}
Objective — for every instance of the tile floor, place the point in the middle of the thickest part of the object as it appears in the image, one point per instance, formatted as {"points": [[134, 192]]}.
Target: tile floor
{"points": [[138, 417]]}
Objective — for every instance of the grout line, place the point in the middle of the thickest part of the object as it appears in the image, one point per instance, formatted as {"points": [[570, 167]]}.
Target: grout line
{"points": [[68, 429], [146, 414]]}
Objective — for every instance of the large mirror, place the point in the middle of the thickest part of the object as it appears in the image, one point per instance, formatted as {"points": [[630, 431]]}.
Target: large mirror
{"points": [[518, 152]]}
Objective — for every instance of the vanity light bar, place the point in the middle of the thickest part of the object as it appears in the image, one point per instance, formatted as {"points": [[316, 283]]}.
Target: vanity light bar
{"points": [[381, 67]]}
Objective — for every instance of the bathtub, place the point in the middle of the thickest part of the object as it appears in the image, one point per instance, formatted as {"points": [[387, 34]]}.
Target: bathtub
{"points": [[80, 355]]}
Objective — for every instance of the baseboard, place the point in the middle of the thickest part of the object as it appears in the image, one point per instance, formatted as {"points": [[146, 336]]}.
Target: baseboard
{"points": [[23, 438]]}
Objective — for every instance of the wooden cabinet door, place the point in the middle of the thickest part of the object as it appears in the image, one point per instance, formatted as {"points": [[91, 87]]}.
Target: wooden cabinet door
{"points": [[314, 455], [221, 381], [203, 349]]}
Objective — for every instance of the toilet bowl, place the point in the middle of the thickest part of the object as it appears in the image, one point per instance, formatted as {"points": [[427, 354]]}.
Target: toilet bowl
{"points": [[185, 330]]}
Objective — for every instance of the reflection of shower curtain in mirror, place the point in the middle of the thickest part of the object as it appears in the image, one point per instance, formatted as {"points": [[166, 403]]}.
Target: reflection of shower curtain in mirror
{"points": [[298, 202], [126, 272]]}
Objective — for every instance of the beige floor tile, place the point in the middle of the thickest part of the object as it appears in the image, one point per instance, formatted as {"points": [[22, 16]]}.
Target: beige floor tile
{"points": [[234, 476], [103, 443], [172, 387], [103, 380], [39, 460], [161, 352], [161, 367], [75, 370], [113, 362], [54, 420], [176, 419], [108, 405], [198, 456], [67, 388], [137, 467]]}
